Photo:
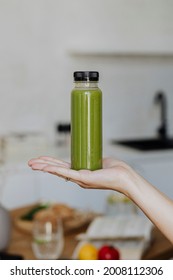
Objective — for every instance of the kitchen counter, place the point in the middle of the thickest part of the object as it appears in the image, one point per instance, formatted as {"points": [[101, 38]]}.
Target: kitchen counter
{"points": [[20, 244], [127, 154]]}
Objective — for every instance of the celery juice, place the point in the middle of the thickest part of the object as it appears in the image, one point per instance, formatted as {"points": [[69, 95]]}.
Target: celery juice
{"points": [[86, 122]]}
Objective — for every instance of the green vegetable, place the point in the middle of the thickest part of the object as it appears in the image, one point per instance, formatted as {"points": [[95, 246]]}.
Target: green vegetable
{"points": [[30, 214], [41, 241]]}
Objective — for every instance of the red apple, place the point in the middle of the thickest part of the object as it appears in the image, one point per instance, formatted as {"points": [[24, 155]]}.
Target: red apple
{"points": [[108, 252]]}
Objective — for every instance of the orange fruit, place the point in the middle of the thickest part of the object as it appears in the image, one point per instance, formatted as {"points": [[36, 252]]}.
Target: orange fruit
{"points": [[88, 252]]}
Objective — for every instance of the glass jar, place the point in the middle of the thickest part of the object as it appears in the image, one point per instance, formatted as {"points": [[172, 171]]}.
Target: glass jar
{"points": [[119, 204]]}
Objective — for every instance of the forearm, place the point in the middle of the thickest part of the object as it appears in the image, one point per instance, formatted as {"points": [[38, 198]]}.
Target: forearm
{"points": [[157, 207]]}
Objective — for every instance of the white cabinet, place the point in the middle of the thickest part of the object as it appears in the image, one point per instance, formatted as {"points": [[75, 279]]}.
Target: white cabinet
{"points": [[121, 26], [19, 187]]}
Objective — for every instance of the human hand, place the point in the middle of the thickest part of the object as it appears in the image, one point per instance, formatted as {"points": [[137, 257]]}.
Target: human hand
{"points": [[114, 175]]}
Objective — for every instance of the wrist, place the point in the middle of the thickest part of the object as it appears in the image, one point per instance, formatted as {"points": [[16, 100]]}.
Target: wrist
{"points": [[132, 182], [137, 186]]}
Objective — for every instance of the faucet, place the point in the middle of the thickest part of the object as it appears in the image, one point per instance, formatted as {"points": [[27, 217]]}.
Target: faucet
{"points": [[160, 98]]}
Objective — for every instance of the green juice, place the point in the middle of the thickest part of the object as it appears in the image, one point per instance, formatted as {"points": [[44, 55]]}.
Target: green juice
{"points": [[86, 127]]}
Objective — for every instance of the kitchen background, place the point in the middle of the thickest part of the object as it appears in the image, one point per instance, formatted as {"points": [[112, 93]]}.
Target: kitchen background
{"points": [[130, 42]]}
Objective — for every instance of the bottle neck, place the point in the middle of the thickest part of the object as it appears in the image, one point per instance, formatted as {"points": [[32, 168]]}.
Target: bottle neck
{"points": [[86, 84]]}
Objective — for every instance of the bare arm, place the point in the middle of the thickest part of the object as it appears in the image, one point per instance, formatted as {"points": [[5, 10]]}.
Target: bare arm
{"points": [[116, 175], [157, 206]]}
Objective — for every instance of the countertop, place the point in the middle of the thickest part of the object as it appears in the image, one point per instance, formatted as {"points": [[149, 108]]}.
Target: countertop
{"points": [[20, 244], [128, 154]]}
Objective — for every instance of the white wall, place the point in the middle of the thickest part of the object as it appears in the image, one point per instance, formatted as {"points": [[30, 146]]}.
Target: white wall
{"points": [[40, 40]]}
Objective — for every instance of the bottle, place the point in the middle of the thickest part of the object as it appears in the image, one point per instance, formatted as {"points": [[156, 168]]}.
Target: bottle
{"points": [[86, 122]]}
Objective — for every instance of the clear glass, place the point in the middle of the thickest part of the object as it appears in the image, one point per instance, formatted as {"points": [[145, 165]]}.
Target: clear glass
{"points": [[86, 126], [48, 239], [119, 204]]}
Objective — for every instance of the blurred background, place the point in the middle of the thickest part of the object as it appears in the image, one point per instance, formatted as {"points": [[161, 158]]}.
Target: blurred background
{"points": [[130, 43]]}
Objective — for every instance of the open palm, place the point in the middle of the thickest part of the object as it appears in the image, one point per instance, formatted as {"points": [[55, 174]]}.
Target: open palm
{"points": [[112, 176]]}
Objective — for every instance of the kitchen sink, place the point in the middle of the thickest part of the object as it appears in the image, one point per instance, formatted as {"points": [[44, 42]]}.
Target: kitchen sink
{"points": [[147, 144]]}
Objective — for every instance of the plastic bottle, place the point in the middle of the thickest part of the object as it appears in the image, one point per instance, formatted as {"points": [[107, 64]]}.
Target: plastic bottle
{"points": [[86, 122]]}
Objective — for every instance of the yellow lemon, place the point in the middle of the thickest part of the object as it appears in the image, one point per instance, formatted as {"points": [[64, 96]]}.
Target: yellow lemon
{"points": [[88, 252]]}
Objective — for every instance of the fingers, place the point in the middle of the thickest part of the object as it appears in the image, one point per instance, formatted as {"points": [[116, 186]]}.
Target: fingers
{"points": [[55, 161], [38, 166], [47, 160], [62, 172], [56, 167], [71, 175]]}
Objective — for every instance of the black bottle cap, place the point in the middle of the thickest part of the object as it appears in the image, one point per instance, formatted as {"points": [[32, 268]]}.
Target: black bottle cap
{"points": [[92, 76]]}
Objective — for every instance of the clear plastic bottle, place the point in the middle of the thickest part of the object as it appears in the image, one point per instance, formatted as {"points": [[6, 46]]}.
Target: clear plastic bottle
{"points": [[86, 121]]}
